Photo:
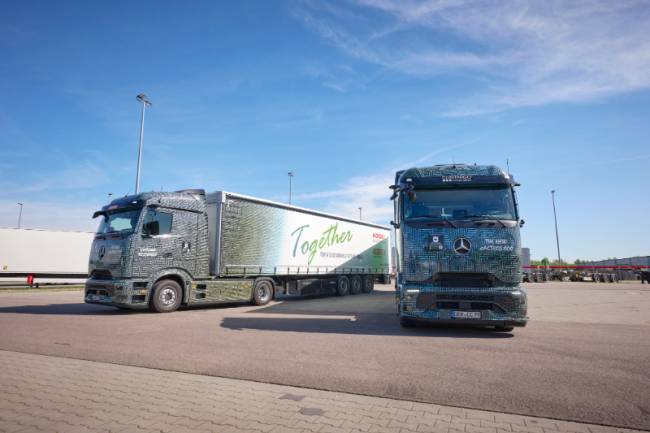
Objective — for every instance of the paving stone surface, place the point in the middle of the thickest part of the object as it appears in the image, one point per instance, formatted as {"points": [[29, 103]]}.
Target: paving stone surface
{"points": [[50, 394]]}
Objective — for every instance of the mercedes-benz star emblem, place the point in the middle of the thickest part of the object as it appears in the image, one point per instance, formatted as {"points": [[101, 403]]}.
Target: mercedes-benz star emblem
{"points": [[462, 245], [101, 252]]}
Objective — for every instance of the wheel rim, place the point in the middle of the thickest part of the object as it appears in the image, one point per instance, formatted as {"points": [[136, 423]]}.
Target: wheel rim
{"points": [[263, 292], [345, 286], [168, 296]]}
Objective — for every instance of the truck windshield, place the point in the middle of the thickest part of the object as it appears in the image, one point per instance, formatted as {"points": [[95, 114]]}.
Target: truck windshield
{"points": [[462, 203], [119, 221]]}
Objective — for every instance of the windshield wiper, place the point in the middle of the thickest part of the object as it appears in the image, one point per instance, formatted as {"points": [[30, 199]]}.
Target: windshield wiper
{"points": [[484, 217], [431, 220]]}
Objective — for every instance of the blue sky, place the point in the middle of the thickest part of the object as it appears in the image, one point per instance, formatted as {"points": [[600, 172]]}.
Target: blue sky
{"points": [[342, 93]]}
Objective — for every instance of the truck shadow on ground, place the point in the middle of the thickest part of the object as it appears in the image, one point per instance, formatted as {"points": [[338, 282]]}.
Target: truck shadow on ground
{"points": [[73, 309], [371, 324]]}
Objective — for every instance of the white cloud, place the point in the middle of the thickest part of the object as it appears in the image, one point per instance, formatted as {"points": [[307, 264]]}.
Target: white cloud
{"points": [[527, 52]]}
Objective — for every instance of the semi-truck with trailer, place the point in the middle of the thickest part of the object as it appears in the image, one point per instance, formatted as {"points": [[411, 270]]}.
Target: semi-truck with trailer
{"points": [[458, 246], [161, 250], [35, 255]]}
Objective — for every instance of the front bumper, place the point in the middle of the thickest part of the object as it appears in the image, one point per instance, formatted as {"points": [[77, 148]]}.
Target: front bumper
{"points": [[125, 293], [495, 306]]}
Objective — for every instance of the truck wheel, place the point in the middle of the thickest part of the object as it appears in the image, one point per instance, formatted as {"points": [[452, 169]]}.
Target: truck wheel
{"points": [[356, 284], [263, 292], [167, 296], [405, 322], [342, 285], [368, 283]]}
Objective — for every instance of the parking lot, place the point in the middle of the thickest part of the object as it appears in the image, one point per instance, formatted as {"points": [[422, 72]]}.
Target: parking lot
{"points": [[583, 356]]}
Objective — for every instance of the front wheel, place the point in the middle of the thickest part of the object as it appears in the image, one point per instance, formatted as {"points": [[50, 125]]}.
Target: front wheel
{"points": [[263, 292], [166, 296]]}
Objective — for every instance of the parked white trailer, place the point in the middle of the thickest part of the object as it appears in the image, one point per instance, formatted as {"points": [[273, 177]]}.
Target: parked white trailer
{"points": [[44, 253]]}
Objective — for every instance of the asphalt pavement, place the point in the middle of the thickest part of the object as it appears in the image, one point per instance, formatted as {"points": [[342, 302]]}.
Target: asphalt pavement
{"points": [[583, 356]]}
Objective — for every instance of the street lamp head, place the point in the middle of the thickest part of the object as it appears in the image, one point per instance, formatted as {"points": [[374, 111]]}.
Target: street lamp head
{"points": [[290, 174], [552, 191], [143, 98], [20, 204]]}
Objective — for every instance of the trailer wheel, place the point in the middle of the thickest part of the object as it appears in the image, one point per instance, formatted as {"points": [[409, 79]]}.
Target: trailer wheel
{"points": [[342, 285], [356, 284], [263, 292], [368, 283], [167, 296]]}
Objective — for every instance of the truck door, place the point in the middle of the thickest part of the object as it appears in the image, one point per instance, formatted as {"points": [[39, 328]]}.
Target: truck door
{"points": [[170, 236]]}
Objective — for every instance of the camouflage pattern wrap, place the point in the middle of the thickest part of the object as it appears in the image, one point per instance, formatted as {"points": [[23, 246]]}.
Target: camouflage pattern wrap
{"points": [[435, 279], [217, 291], [453, 170], [123, 269], [262, 238], [495, 251]]}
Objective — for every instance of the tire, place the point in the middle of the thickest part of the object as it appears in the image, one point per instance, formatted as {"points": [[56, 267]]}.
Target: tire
{"points": [[342, 285], [368, 284], [356, 284], [262, 292], [167, 296], [503, 328], [405, 322]]}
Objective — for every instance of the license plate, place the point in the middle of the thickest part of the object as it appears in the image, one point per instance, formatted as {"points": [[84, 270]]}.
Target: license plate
{"points": [[465, 314], [96, 298]]}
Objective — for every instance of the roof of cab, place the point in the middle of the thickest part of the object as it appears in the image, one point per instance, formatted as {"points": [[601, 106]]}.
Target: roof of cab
{"points": [[455, 173]]}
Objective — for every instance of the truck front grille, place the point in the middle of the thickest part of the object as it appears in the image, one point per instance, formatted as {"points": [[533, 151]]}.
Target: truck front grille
{"points": [[469, 301], [465, 279], [99, 291], [101, 274]]}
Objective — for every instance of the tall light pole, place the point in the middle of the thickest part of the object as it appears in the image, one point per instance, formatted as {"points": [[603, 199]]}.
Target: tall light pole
{"points": [[20, 213], [290, 178], [557, 236], [360, 213], [145, 103]]}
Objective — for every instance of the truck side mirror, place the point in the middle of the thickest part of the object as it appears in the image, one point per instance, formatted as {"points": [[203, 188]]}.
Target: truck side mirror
{"points": [[394, 224], [521, 223]]}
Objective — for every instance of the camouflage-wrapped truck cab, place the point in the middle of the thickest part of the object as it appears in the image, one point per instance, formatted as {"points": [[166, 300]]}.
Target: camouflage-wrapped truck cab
{"points": [[458, 246]]}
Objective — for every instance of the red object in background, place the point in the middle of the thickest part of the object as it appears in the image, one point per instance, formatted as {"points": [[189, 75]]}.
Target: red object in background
{"points": [[30, 280], [584, 267]]}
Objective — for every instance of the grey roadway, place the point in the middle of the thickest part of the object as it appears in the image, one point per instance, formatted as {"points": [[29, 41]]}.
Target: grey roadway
{"points": [[585, 355]]}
